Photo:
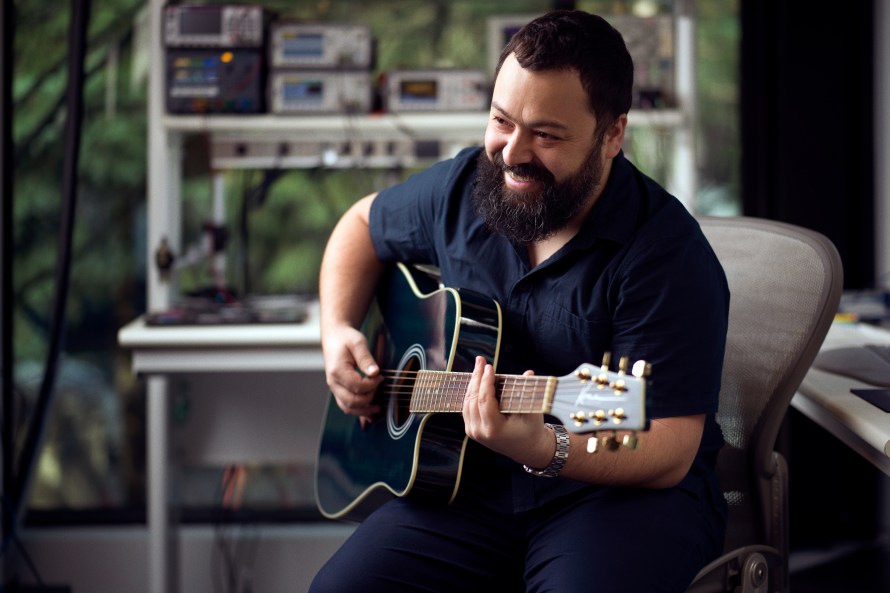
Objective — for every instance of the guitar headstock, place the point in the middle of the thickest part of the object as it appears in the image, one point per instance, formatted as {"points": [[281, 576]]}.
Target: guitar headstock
{"points": [[594, 398]]}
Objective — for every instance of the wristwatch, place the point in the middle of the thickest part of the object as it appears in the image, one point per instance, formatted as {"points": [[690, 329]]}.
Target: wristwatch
{"points": [[559, 456]]}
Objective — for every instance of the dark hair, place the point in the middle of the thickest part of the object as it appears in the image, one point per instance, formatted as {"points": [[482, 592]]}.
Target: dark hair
{"points": [[586, 43]]}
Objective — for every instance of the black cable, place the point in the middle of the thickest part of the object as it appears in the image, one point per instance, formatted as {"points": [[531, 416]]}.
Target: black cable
{"points": [[77, 41], [221, 544]]}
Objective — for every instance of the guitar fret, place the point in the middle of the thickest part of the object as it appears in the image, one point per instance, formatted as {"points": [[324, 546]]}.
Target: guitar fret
{"points": [[444, 391]]}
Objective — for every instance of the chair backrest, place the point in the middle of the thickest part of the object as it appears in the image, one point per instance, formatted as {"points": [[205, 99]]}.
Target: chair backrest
{"points": [[785, 284]]}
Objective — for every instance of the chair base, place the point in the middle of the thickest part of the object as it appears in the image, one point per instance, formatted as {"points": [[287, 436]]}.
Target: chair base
{"points": [[751, 569]]}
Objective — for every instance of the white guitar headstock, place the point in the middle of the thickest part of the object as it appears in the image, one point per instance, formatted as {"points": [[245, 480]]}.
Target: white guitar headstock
{"points": [[593, 399]]}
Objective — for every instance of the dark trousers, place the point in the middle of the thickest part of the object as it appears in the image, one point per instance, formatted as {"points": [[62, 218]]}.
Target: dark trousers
{"points": [[596, 540]]}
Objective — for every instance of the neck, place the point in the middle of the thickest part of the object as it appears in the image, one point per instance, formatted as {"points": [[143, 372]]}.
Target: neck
{"points": [[540, 251]]}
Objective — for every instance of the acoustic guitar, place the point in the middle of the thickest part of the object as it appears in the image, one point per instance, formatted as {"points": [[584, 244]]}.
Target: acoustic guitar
{"points": [[425, 338]]}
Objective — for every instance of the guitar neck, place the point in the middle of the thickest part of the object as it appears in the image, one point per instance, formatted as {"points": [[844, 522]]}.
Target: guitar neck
{"points": [[441, 391]]}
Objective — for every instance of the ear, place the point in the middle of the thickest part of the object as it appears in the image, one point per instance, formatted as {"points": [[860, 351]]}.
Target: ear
{"points": [[614, 138]]}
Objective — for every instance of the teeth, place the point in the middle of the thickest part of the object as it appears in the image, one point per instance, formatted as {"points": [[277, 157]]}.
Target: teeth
{"points": [[518, 177]]}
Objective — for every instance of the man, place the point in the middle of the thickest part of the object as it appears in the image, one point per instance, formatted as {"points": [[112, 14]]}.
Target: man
{"points": [[585, 255]]}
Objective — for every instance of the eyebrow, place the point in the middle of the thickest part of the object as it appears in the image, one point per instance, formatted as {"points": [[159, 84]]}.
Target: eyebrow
{"points": [[544, 123]]}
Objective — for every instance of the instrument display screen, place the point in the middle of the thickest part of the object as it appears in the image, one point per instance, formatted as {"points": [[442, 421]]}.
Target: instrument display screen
{"points": [[304, 90], [302, 45], [200, 22], [419, 90]]}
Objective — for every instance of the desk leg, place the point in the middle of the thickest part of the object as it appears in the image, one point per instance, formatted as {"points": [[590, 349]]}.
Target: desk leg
{"points": [[162, 549]]}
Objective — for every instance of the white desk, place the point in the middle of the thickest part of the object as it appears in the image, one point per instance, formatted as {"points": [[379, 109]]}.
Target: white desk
{"points": [[215, 348], [160, 351], [826, 399]]}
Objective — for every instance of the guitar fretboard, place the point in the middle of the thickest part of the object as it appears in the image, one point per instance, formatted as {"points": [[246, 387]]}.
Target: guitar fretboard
{"points": [[440, 391]]}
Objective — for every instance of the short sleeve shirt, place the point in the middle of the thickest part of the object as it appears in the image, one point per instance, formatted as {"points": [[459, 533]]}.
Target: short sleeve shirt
{"points": [[638, 279]]}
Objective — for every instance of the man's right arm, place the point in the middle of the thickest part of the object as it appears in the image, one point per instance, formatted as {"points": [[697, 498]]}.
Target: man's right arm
{"points": [[350, 270]]}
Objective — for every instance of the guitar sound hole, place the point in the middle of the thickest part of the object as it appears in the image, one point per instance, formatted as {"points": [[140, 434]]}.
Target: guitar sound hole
{"points": [[400, 405]]}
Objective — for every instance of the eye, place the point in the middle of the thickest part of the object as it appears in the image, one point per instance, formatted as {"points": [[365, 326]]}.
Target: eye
{"points": [[547, 136]]}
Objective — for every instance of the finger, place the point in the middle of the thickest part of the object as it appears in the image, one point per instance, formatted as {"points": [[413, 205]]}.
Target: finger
{"points": [[364, 361], [489, 407], [351, 402], [470, 398], [348, 377], [487, 393]]}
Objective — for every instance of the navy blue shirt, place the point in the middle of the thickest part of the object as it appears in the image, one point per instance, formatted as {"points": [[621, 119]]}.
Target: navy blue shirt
{"points": [[639, 279]]}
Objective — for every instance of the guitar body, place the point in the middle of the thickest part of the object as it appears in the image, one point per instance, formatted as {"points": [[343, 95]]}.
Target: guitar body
{"points": [[412, 325]]}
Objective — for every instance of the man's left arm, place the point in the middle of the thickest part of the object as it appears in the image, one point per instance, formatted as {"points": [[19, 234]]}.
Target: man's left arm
{"points": [[661, 459]]}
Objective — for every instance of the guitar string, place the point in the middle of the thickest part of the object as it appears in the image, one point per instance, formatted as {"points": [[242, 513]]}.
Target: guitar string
{"points": [[448, 390]]}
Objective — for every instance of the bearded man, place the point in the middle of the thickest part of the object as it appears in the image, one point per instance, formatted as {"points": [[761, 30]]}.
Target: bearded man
{"points": [[585, 255]]}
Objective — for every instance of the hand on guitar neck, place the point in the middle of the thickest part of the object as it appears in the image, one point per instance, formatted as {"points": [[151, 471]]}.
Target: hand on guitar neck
{"points": [[522, 437]]}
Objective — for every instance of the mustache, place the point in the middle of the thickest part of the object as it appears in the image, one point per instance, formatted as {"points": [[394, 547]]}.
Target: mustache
{"points": [[525, 170]]}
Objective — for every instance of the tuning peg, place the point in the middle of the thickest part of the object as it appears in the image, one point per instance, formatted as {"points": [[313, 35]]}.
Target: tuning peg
{"points": [[630, 441], [618, 415], [610, 442], [619, 386], [602, 379], [607, 360], [598, 417], [641, 369], [623, 364]]}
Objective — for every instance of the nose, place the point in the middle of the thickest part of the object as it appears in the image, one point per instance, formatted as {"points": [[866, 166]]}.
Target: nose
{"points": [[517, 149]]}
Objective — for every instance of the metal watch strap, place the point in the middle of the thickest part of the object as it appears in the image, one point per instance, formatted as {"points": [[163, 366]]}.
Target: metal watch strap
{"points": [[559, 456]]}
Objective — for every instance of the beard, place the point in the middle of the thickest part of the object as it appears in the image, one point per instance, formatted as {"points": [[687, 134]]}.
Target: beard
{"points": [[527, 217]]}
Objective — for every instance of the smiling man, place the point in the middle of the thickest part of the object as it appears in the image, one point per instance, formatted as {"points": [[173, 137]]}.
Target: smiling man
{"points": [[585, 255]]}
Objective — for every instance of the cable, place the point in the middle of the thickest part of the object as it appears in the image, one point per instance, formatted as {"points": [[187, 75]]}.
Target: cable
{"points": [[77, 32], [253, 198]]}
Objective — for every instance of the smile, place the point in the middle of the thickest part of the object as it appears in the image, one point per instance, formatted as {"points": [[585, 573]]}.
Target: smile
{"points": [[519, 182], [517, 177]]}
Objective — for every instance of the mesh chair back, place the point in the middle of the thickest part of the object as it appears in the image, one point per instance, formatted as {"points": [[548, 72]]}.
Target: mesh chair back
{"points": [[785, 284]]}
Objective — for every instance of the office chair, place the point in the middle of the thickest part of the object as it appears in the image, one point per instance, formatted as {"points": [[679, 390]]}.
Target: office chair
{"points": [[785, 284]]}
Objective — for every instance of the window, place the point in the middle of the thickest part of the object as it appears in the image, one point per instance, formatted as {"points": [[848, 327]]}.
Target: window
{"points": [[93, 454]]}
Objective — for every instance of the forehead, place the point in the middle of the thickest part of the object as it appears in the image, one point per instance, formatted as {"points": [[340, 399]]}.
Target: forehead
{"points": [[541, 95]]}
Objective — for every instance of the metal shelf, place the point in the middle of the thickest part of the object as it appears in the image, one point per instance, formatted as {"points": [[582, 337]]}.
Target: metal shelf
{"points": [[329, 126]]}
